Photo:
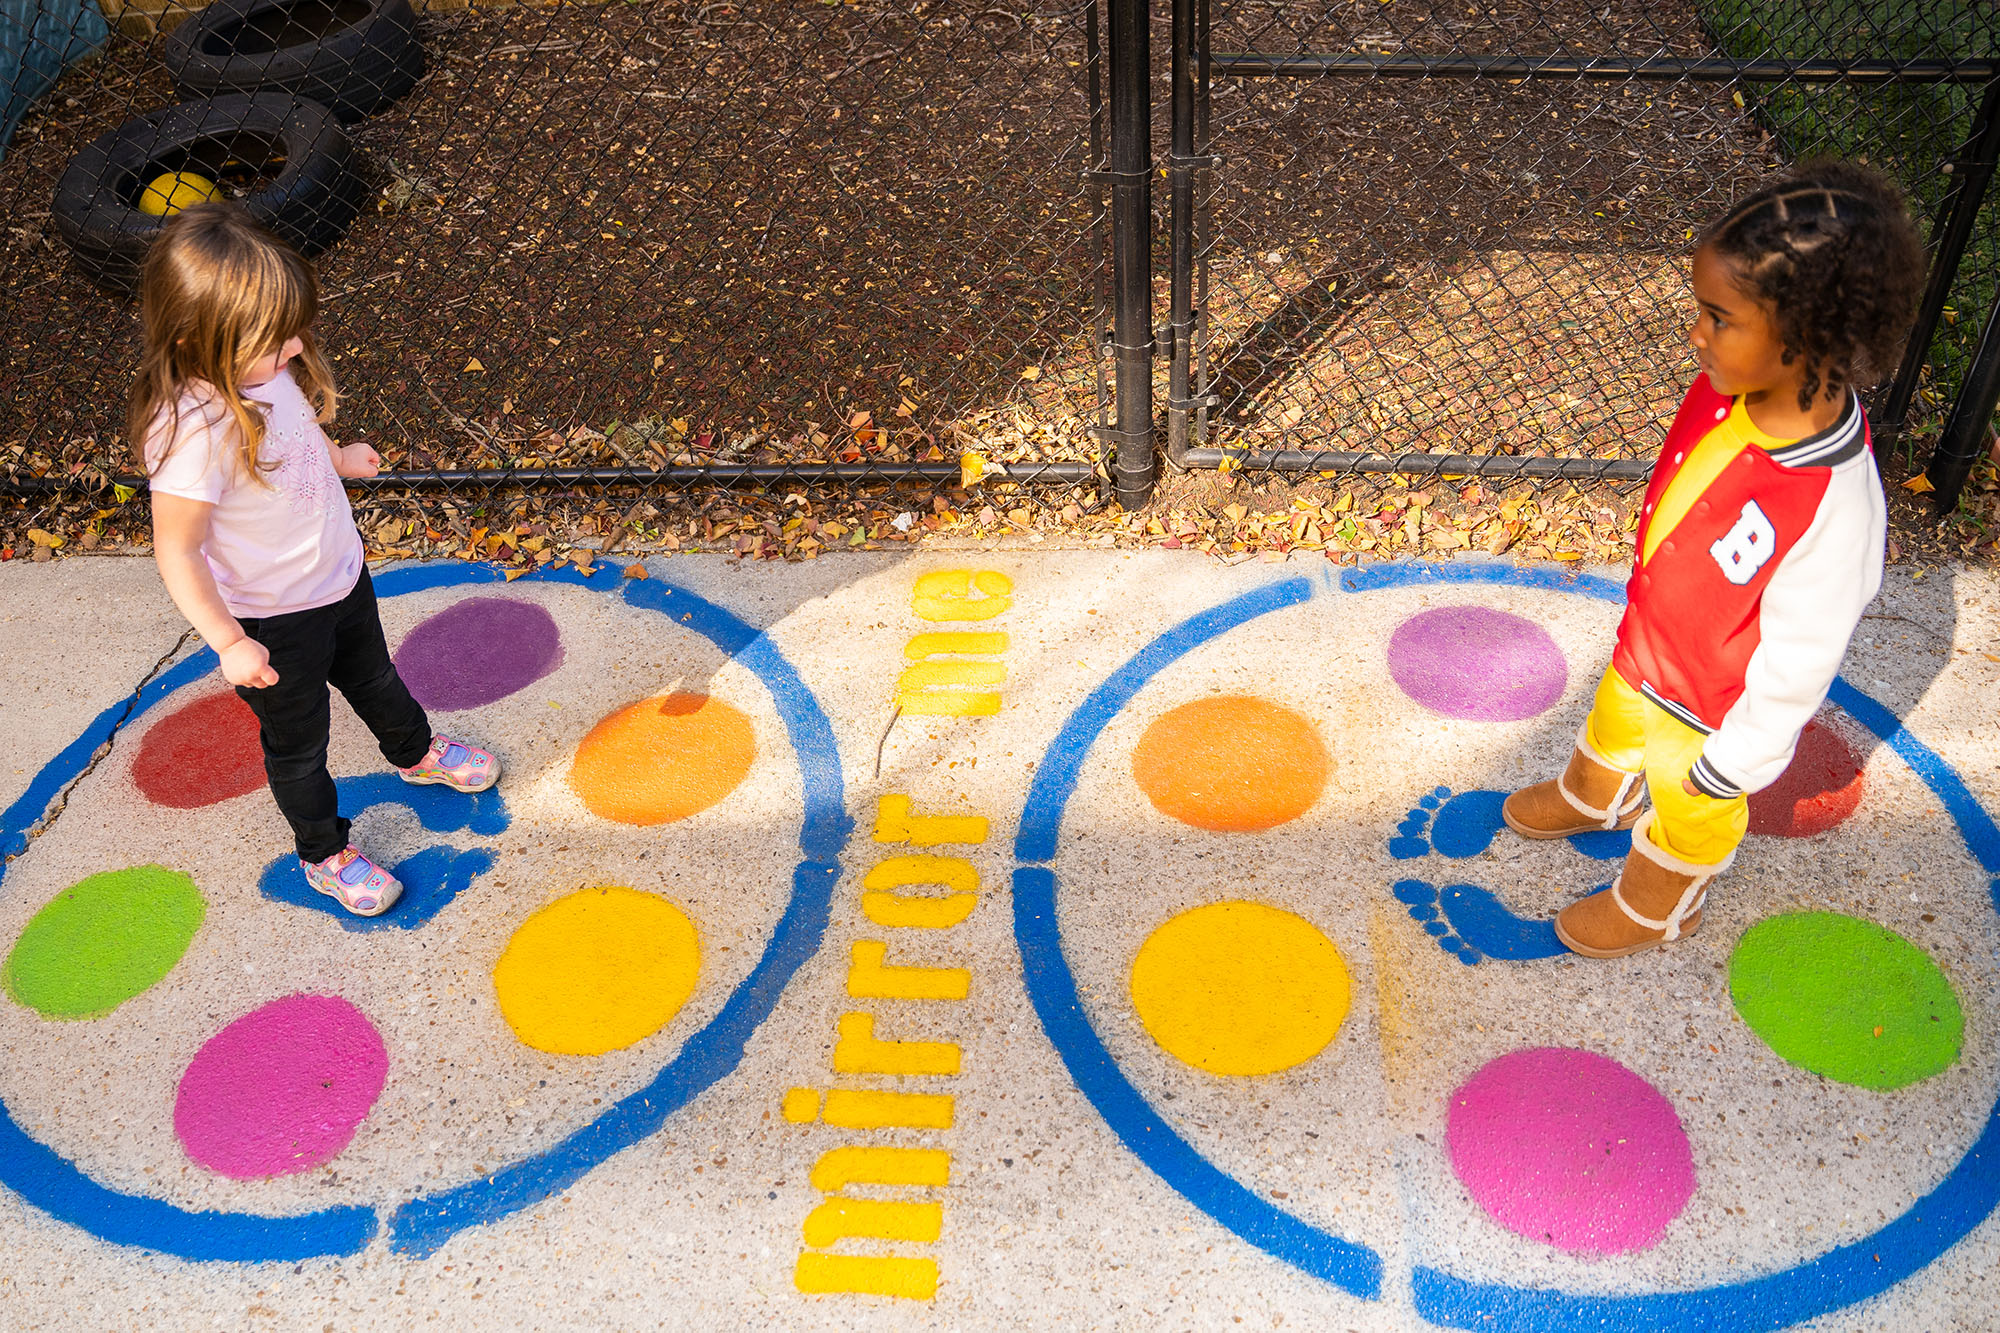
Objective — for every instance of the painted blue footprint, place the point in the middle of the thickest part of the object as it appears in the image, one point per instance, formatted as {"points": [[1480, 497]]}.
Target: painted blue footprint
{"points": [[1468, 922], [1471, 924], [1465, 824], [431, 878]]}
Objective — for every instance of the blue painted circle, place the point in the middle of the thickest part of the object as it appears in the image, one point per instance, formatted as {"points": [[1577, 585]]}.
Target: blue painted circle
{"points": [[421, 1225], [1836, 1279]]}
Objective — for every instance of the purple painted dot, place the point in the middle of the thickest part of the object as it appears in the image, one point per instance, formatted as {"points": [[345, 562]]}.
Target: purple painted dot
{"points": [[1478, 663], [1572, 1149], [282, 1089], [478, 650]]}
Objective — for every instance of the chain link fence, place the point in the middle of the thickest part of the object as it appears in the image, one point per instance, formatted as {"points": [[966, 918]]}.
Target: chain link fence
{"points": [[1453, 236], [831, 247], [884, 252]]}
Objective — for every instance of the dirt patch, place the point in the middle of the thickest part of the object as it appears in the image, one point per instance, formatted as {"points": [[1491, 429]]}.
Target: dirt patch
{"points": [[638, 232]]}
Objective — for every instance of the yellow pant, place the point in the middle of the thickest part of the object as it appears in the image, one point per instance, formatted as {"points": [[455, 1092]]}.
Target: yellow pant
{"points": [[1633, 733]]}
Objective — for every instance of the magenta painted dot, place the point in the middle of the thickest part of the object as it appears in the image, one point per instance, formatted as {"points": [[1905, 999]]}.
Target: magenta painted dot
{"points": [[282, 1089], [1478, 663], [1572, 1149], [478, 650]]}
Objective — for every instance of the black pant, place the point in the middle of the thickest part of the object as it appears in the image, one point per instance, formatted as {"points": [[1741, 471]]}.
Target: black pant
{"points": [[338, 645]]}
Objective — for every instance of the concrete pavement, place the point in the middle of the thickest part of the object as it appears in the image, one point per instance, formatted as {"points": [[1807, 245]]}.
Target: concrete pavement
{"points": [[1007, 939]]}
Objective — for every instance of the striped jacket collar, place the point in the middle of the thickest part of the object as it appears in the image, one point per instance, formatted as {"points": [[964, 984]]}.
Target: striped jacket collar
{"points": [[1845, 439]]}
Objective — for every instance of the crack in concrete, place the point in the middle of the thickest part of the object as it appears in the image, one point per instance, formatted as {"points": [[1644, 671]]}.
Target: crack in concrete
{"points": [[60, 802]]}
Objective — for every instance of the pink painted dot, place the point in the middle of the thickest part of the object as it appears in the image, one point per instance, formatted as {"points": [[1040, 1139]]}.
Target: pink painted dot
{"points": [[1572, 1149], [1817, 791], [282, 1089], [1477, 663]]}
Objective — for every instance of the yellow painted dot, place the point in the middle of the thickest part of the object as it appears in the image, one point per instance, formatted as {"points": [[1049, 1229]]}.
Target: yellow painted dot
{"points": [[1240, 988], [663, 759], [801, 1105], [597, 970], [1232, 763]]}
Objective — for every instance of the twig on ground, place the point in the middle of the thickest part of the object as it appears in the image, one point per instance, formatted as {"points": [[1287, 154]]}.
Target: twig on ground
{"points": [[882, 741]]}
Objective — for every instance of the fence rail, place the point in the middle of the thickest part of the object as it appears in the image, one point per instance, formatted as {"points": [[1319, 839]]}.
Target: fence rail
{"points": [[1705, 69]]}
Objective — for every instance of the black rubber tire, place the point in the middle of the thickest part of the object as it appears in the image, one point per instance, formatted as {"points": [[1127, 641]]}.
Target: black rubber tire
{"points": [[352, 56], [315, 195]]}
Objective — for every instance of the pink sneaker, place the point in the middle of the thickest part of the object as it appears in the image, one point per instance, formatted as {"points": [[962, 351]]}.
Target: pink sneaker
{"points": [[355, 882], [458, 766]]}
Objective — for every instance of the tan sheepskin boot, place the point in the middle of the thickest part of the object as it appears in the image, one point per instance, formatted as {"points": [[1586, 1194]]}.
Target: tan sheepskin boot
{"points": [[1656, 899], [1590, 795]]}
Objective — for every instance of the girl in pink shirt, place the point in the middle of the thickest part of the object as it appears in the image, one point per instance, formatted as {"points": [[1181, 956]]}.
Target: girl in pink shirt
{"points": [[252, 530]]}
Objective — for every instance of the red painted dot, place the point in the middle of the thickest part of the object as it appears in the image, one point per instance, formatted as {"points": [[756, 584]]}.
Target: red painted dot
{"points": [[203, 752], [1819, 791]]}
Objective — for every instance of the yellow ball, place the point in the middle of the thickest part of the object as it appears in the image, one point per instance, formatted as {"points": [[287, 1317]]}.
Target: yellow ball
{"points": [[172, 191]]}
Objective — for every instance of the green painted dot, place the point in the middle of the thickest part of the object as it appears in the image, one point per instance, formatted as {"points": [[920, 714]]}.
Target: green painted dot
{"points": [[103, 940], [1846, 998]]}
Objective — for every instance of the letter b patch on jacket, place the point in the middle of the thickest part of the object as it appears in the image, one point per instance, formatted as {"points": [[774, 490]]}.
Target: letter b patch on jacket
{"points": [[1743, 550]]}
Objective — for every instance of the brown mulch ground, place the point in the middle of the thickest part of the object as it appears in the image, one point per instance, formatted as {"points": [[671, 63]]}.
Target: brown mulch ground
{"points": [[659, 233]]}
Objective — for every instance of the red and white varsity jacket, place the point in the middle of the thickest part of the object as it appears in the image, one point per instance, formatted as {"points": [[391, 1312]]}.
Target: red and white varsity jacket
{"points": [[1737, 622]]}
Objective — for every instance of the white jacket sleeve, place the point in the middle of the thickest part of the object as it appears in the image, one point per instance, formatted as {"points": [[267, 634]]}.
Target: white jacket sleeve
{"points": [[1807, 616]]}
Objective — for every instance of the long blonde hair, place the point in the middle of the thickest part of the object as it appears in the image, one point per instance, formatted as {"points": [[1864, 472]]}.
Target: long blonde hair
{"points": [[218, 294]]}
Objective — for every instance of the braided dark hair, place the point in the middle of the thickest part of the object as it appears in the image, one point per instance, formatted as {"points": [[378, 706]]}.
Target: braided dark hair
{"points": [[1831, 249]]}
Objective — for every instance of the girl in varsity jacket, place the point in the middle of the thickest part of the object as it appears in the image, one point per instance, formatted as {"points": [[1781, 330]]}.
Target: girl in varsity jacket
{"points": [[1758, 546]]}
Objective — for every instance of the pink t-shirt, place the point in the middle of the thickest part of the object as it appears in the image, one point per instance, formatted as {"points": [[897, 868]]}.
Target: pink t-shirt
{"points": [[286, 545]]}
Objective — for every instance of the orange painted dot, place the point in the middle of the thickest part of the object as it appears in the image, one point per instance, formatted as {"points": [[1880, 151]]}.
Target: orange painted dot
{"points": [[663, 759], [1231, 763]]}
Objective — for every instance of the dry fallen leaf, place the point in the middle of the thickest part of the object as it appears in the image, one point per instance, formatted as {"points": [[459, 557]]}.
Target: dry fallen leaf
{"points": [[40, 538], [635, 572], [971, 467], [1919, 485], [473, 365]]}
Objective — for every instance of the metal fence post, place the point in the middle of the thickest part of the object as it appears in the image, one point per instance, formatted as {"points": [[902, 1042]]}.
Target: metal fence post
{"points": [[1967, 429], [1959, 210], [1133, 466], [1181, 165]]}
